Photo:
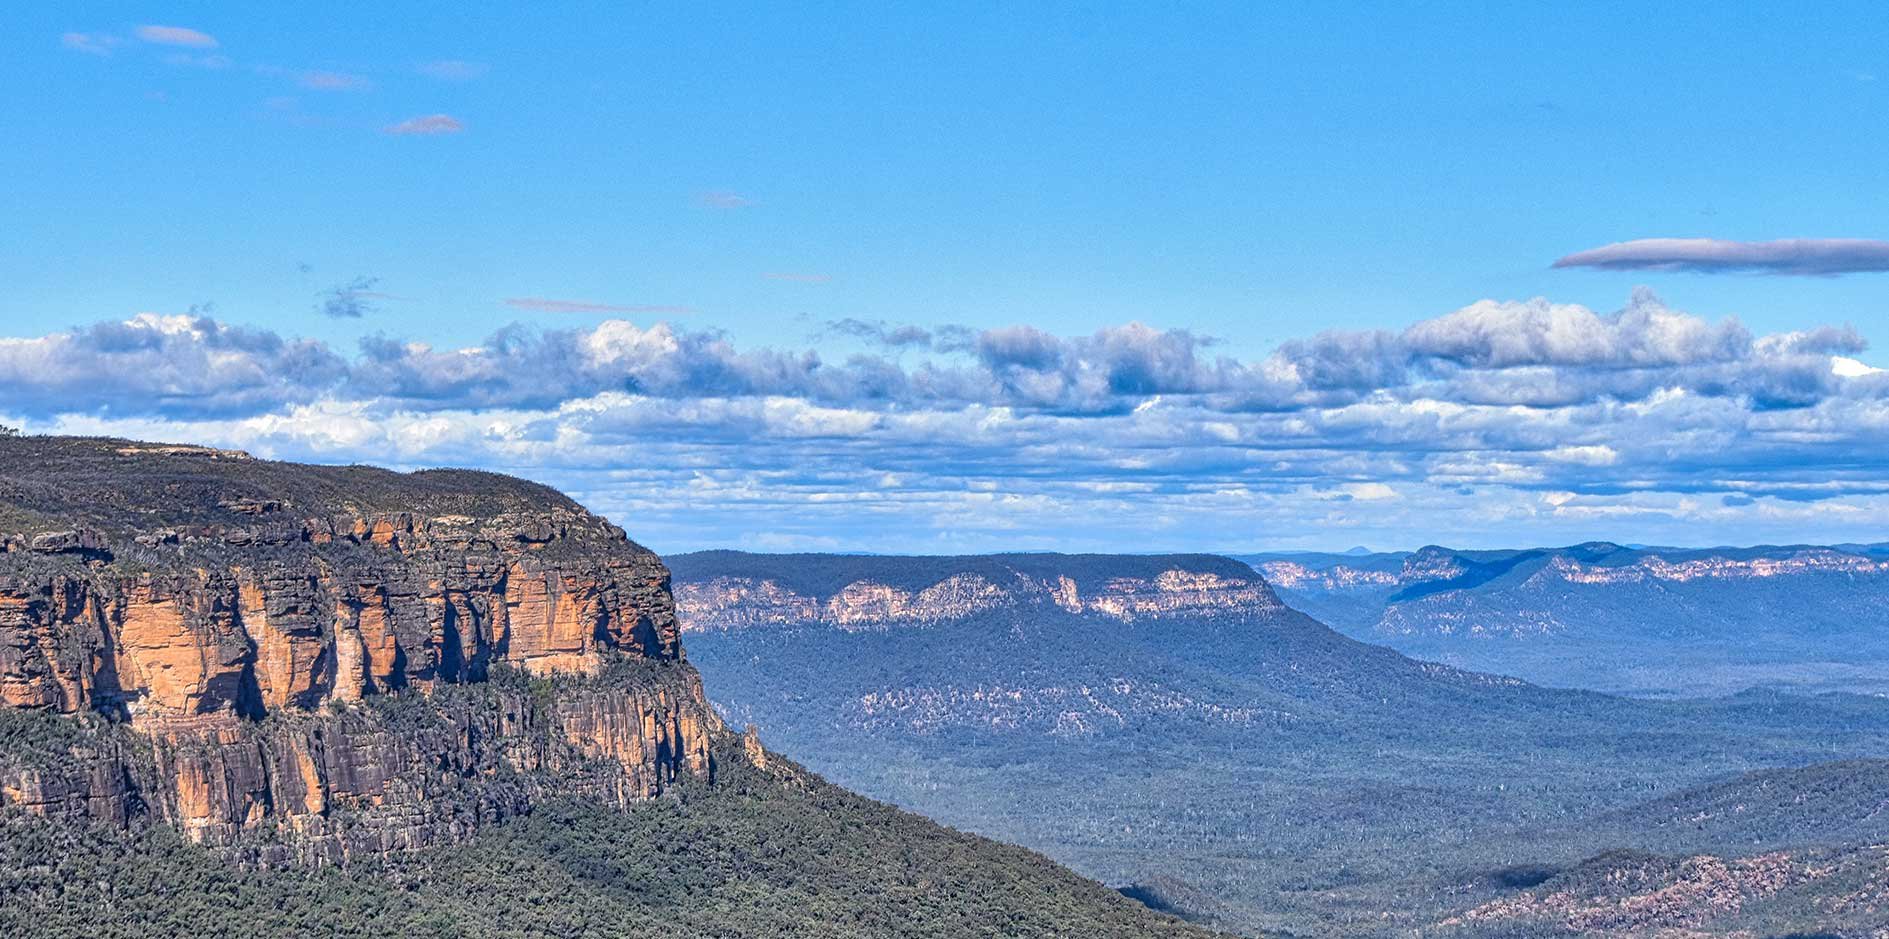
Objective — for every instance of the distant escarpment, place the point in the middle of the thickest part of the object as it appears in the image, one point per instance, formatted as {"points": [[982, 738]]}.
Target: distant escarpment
{"points": [[303, 663], [1666, 622], [724, 590]]}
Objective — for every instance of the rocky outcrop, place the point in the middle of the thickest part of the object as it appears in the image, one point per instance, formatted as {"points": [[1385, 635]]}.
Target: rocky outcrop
{"points": [[1590, 564], [1624, 893], [716, 600], [395, 774], [336, 611], [1292, 575], [313, 675], [1654, 567]]}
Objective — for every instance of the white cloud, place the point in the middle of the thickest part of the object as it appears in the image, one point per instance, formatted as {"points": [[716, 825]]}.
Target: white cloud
{"points": [[1585, 455], [1368, 492], [429, 125], [1542, 413], [1846, 367], [176, 36], [1809, 256], [91, 43]]}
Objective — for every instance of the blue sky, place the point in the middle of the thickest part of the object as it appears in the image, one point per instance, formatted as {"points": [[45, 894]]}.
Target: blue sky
{"points": [[753, 176]]}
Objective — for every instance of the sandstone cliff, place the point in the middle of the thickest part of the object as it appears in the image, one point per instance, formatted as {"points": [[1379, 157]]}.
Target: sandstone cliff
{"points": [[301, 662]]}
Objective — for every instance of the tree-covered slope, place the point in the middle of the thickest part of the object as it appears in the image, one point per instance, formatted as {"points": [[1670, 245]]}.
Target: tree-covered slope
{"points": [[760, 853], [1305, 781]]}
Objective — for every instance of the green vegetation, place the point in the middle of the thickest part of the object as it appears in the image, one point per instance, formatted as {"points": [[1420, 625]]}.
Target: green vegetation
{"points": [[116, 486], [750, 856], [1306, 783]]}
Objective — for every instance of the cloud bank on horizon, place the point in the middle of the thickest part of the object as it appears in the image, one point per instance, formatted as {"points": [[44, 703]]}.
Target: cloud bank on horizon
{"points": [[1500, 421]]}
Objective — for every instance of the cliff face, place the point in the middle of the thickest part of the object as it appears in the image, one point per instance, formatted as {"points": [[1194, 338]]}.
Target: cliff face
{"points": [[327, 610], [308, 662], [1451, 577], [879, 593]]}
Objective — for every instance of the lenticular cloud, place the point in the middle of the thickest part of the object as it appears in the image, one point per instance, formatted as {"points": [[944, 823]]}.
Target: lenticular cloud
{"points": [[1802, 256]]}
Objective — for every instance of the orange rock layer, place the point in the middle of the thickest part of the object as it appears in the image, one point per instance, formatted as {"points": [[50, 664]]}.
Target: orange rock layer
{"points": [[229, 687], [301, 625]]}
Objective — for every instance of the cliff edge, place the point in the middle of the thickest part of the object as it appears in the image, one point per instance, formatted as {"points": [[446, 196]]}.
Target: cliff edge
{"points": [[312, 662]]}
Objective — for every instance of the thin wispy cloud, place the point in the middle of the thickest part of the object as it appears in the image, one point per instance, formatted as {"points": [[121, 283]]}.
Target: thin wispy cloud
{"points": [[724, 199], [1800, 256], [547, 305], [333, 81], [882, 333], [427, 126], [176, 36], [288, 109], [352, 300], [798, 278], [452, 70], [212, 61], [91, 43]]}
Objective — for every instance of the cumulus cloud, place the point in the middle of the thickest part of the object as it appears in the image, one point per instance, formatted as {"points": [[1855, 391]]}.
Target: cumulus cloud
{"points": [[1490, 354], [1807, 256], [176, 36], [429, 125], [1843, 366], [1490, 334], [1508, 411], [182, 365]]}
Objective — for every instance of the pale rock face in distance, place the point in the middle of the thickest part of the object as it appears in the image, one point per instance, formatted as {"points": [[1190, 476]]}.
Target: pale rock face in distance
{"points": [[729, 602]]}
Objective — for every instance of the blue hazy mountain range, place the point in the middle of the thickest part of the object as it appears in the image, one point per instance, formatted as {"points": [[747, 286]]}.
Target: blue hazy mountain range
{"points": [[1646, 621]]}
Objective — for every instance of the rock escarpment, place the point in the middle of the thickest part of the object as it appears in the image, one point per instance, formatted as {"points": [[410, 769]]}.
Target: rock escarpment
{"points": [[1546, 591], [723, 590], [308, 663]]}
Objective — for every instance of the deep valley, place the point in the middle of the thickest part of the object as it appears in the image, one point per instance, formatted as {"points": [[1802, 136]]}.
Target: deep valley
{"points": [[1167, 720]]}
